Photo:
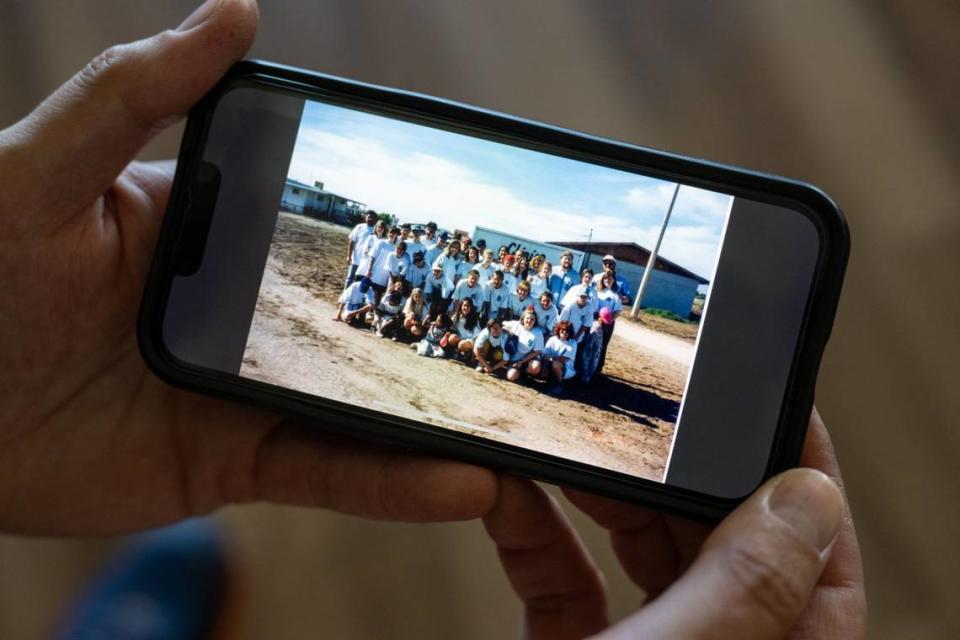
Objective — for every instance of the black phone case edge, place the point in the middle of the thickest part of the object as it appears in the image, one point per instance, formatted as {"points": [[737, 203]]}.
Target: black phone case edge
{"points": [[798, 401]]}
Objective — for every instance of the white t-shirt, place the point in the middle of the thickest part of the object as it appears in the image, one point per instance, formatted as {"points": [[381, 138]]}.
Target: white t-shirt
{"points": [[517, 306], [498, 298], [546, 318], [569, 278], [388, 309], [607, 298], [574, 292], [449, 266], [463, 268], [560, 348], [538, 285], [366, 247], [527, 339], [578, 316], [466, 334], [357, 236], [484, 338], [433, 285], [424, 309], [413, 246], [510, 281], [417, 276], [353, 298], [380, 253], [485, 272], [463, 290], [397, 265], [432, 253]]}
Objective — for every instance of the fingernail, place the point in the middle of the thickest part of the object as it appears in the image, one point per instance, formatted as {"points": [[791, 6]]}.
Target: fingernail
{"points": [[811, 504], [200, 15]]}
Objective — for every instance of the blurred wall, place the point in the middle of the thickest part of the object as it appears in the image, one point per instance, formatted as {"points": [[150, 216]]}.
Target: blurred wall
{"points": [[860, 98]]}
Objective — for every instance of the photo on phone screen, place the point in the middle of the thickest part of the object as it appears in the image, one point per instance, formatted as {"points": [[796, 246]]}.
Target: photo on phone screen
{"points": [[486, 288]]}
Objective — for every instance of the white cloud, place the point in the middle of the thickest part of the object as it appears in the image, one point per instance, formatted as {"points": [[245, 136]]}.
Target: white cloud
{"points": [[419, 186], [652, 198]]}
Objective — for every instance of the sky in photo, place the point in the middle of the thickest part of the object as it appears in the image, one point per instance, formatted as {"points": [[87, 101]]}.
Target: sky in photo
{"points": [[420, 174]]}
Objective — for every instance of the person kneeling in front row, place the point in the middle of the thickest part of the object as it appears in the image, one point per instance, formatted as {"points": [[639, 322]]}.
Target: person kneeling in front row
{"points": [[558, 357], [464, 330], [526, 340], [355, 302], [488, 348]]}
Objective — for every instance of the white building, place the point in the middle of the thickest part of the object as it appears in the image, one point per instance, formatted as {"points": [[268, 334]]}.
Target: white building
{"points": [[317, 202]]}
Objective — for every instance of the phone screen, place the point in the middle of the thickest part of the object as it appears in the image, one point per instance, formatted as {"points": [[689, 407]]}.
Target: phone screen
{"points": [[488, 286]]}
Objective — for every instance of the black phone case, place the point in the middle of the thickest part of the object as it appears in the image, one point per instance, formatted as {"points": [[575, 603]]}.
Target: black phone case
{"points": [[399, 432]]}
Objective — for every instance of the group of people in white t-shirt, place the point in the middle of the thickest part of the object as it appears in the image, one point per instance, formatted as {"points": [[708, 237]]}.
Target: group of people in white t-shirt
{"points": [[506, 313]]}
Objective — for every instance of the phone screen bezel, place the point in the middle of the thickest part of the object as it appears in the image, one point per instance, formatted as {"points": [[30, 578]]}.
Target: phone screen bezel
{"points": [[815, 328]]}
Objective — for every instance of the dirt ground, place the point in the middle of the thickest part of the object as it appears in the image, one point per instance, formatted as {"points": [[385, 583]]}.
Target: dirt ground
{"points": [[623, 421], [684, 330]]}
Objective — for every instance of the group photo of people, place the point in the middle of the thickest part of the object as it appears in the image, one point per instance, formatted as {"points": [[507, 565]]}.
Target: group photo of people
{"points": [[513, 315], [450, 280]]}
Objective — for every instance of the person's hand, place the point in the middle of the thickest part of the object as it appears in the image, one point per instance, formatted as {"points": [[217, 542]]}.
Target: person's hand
{"points": [[90, 441], [784, 564]]}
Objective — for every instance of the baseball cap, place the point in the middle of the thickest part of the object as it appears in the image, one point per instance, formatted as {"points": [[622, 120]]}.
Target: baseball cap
{"points": [[444, 236], [609, 258], [606, 316], [418, 255]]}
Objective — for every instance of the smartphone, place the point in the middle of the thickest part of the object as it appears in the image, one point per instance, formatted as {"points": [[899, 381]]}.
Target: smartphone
{"points": [[440, 277]]}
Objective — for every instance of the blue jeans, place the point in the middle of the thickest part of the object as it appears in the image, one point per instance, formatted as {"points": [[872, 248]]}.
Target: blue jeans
{"points": [[351, 274]]}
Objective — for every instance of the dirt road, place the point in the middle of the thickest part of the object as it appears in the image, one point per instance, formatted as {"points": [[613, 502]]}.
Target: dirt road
{"points": [[676, 349], [624, 421]]}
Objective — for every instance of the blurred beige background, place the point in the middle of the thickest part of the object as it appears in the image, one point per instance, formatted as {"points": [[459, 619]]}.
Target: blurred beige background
{"points": [[860, 98]]}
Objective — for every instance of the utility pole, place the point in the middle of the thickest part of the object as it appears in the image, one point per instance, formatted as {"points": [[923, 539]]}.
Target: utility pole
{"points": [[586, 254], [652, 260]]}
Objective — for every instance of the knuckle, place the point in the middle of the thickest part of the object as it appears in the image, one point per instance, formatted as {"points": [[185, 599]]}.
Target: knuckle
{"points": [[106, 64], [768, 582], [112, 77]]}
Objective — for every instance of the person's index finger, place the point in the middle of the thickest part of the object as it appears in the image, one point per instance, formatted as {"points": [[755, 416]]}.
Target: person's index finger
{"points": [[609, 513], [299, 465], [641, 539], [841, 585], [818, 450], [546, 562], [845, 567]]}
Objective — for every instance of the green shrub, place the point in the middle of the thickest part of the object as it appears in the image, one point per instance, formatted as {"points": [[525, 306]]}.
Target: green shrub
{"points": [[663, 313]]}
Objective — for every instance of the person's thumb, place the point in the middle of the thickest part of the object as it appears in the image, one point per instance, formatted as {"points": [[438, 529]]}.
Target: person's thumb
{"points": [[757, 569], [81, 137]]}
